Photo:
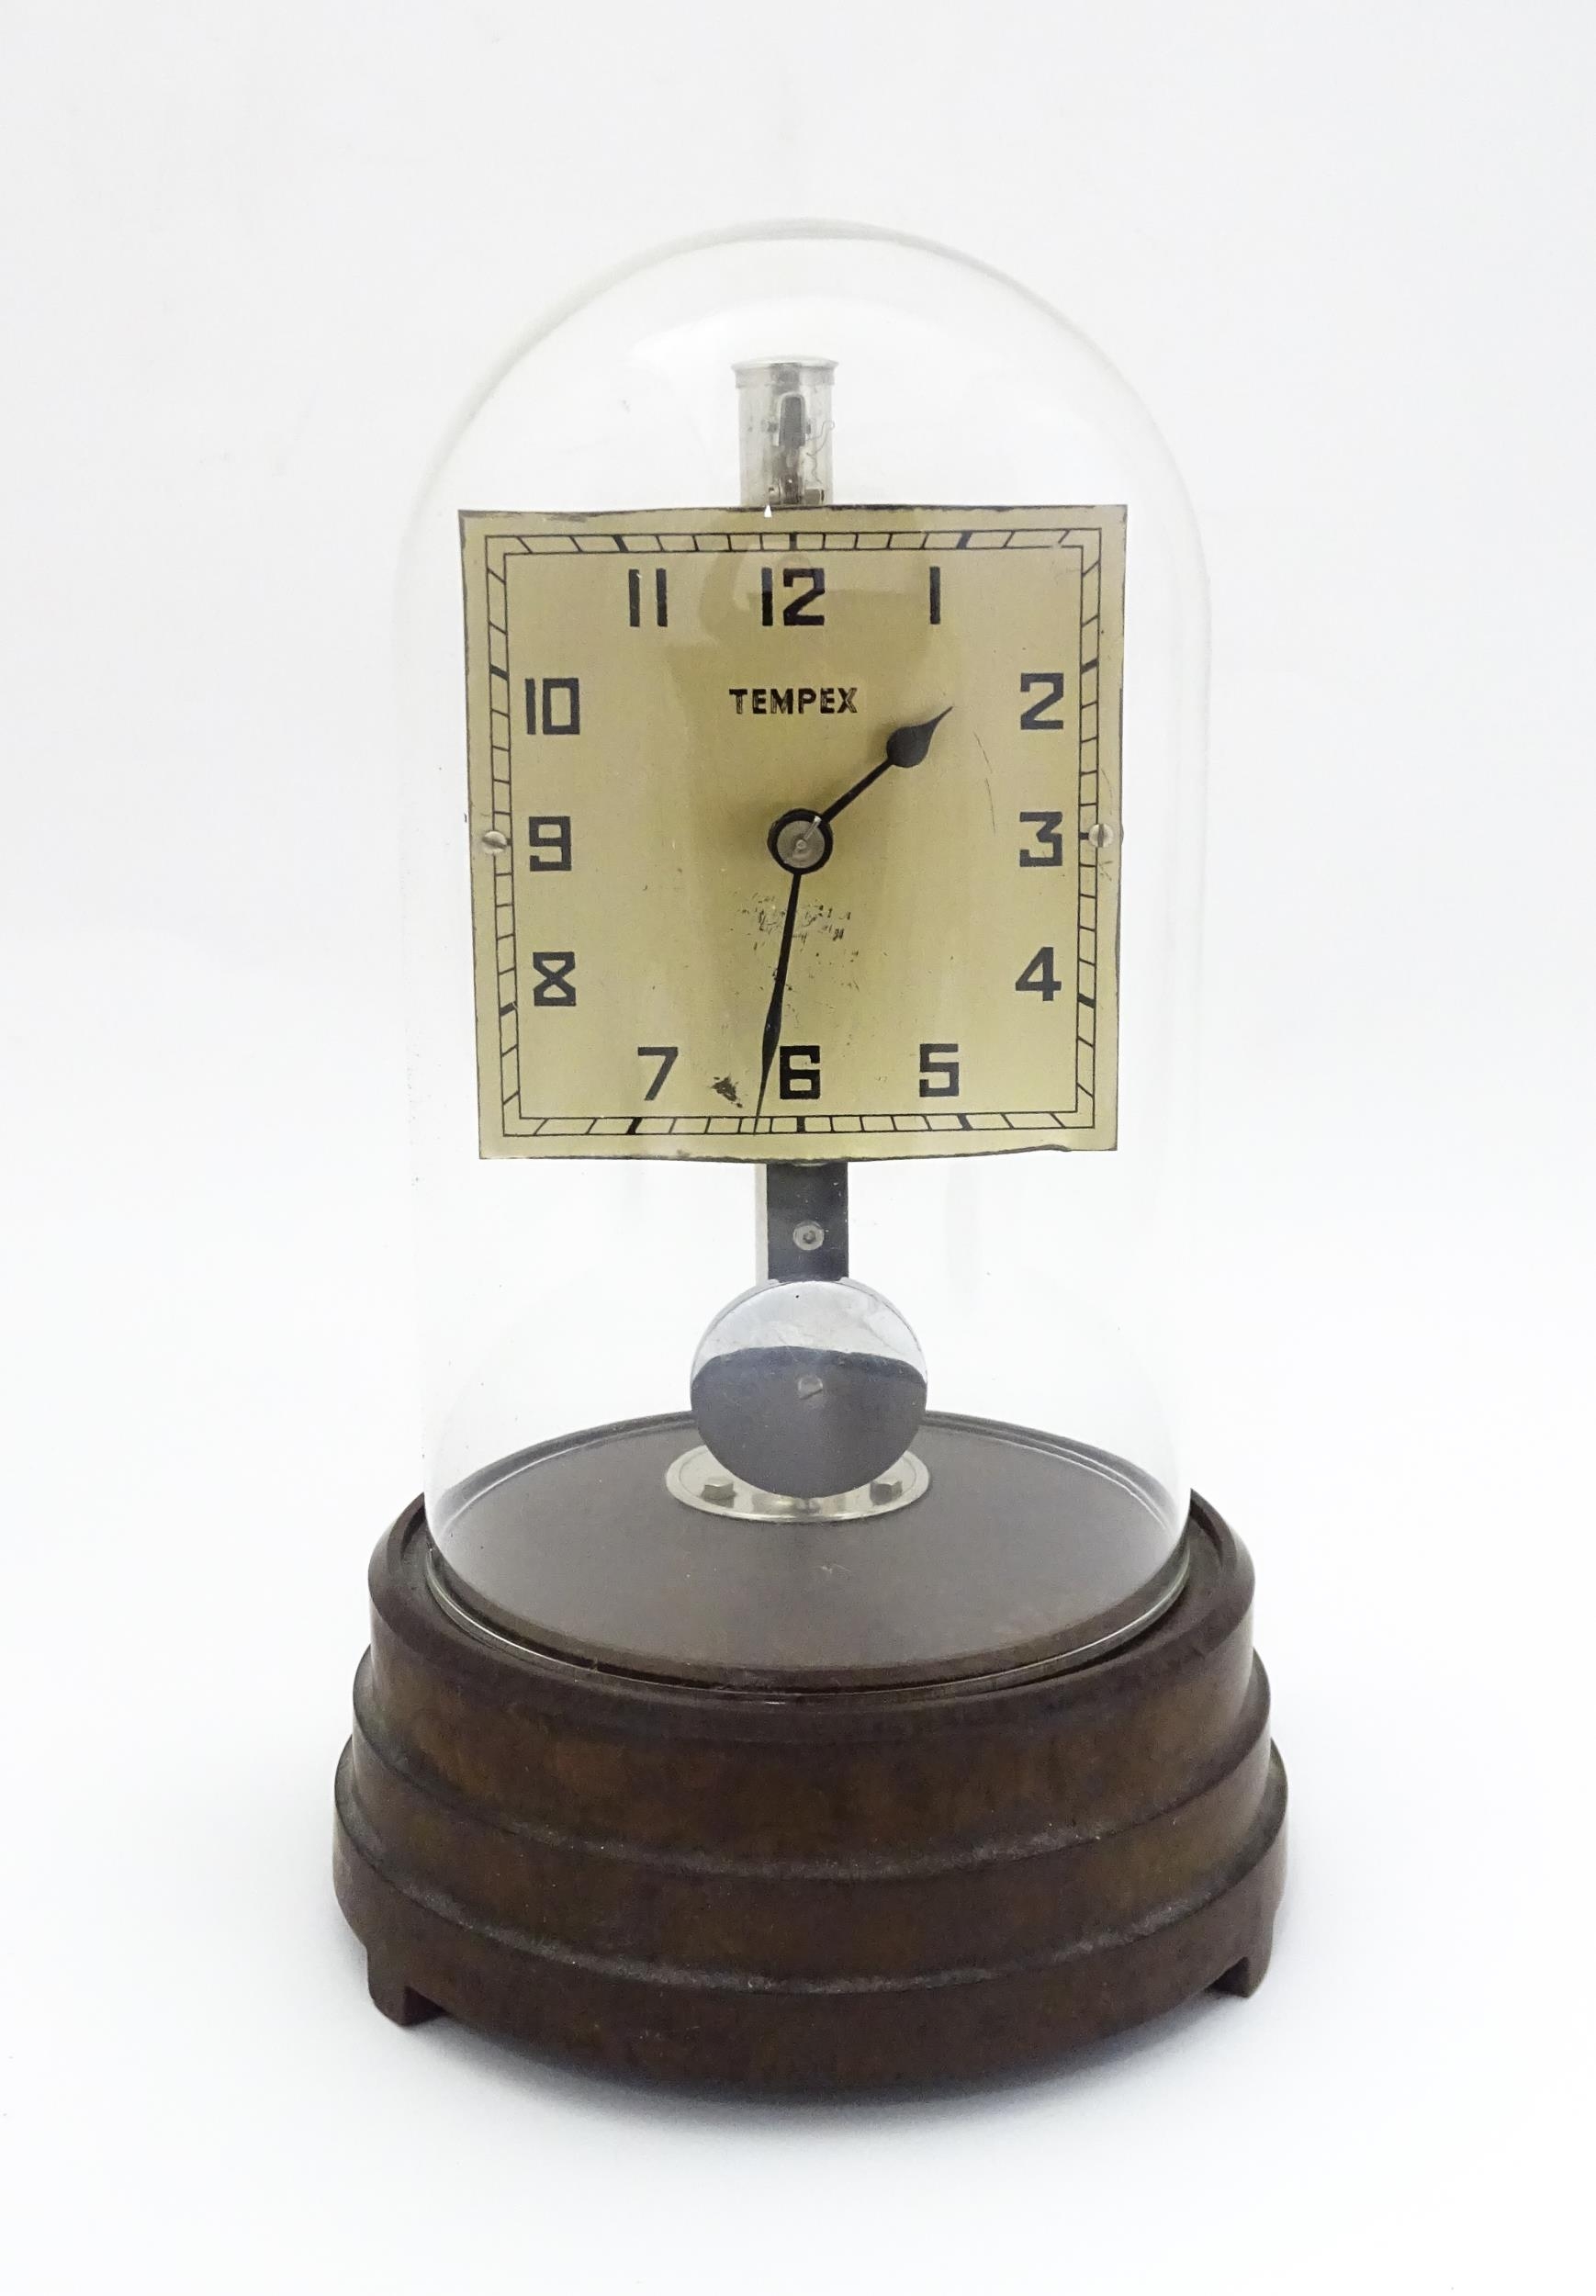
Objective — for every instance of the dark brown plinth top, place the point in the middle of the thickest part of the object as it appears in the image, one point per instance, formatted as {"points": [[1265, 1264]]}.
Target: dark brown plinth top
{"points": [[1024, 1550]]}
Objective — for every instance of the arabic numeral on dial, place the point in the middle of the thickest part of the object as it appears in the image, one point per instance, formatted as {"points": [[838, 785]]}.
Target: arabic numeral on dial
{"points": [[634, 598], [1047, 832], [938, 1072], [798, 1074], [555, 704], [549, 838], [1040, 979], [1036, 719], [556, 970], [665, 1055], [795, 614]]}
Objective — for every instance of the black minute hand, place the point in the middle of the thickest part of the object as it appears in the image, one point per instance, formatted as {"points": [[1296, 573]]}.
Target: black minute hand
{"points": [[908, 745], [773, 1036]]}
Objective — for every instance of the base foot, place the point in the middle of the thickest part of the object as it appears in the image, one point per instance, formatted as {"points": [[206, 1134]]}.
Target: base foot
{"points": [[394, 1997], [1243, 1978]]}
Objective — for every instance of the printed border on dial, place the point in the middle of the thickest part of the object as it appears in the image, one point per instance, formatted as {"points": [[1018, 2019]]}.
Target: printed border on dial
{"points": [[500, 540]]}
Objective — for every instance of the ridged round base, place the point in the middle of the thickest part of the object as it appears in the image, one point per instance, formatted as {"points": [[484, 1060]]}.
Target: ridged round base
{"points": [[827, 1890]]}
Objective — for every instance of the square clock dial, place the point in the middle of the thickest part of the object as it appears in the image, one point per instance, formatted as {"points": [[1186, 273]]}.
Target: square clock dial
{"points": [[795, 838]]}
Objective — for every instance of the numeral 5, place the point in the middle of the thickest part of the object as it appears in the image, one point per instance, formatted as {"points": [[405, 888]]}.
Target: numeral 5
{"points": [[938, 1072]]}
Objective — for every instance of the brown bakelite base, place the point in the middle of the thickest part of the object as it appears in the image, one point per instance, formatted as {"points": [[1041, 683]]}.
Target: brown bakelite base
{"points": [[827, 1891]]}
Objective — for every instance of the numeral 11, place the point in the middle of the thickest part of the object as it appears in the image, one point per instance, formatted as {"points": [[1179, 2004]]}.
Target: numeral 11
{"points": [[635, 597]]}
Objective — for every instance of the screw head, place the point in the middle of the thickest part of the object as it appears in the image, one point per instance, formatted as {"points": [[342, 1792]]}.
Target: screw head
{"points": [[809, 1235], [494, 841]]}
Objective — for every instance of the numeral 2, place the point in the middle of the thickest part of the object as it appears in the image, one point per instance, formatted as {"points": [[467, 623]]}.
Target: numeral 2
{"points": [[793, 616], [1035, 720]]}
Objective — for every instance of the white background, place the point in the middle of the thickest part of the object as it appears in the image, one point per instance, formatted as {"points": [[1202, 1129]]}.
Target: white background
{"points": [[253, 256]]}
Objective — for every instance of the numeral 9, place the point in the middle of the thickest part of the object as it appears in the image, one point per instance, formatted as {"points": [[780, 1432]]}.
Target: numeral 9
{"points": [[549, 838]]}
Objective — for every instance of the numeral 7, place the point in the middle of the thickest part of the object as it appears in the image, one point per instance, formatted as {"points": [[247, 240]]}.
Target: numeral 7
{"points": [[665, 1055]]}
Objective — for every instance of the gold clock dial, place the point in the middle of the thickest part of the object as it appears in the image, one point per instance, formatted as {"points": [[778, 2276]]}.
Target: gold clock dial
{"points": [[649, 694]]}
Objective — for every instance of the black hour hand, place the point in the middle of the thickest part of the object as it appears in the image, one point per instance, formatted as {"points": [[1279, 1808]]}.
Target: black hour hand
{"points": [[908, 745]]}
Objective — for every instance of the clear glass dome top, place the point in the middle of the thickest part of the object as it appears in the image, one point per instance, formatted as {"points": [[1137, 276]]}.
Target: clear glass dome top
{"points": [[767, 1341]]}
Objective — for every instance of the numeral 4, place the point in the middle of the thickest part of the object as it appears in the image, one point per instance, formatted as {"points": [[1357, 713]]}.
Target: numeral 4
{"points": [[1039, 978]]}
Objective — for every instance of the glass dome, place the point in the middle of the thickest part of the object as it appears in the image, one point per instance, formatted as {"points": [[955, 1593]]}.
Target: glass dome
{"points": [[987, 1320]]}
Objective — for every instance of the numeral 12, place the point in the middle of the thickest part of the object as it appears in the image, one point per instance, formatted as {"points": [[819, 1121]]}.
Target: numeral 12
{"points": [[795, 615]]}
